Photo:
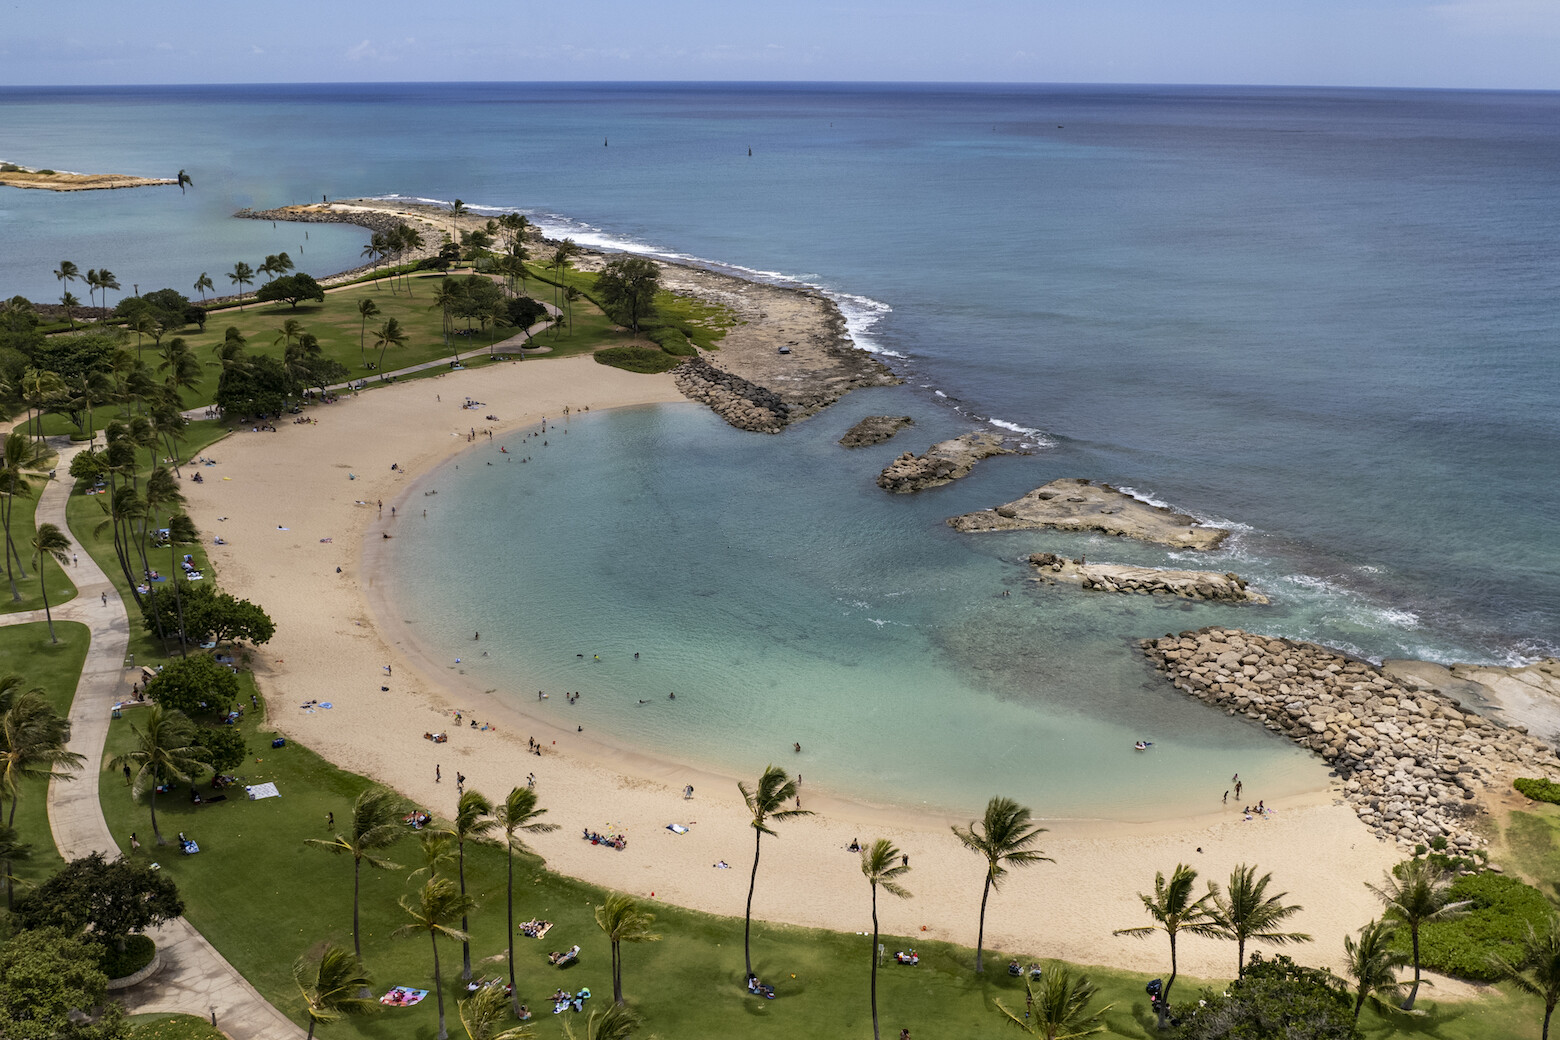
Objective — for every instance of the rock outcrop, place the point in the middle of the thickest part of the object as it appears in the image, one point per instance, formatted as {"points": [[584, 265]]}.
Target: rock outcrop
{"points": [[1410, 762], [1144, 581], [875, 429], [745, 405], [1527, 694], [943, 463], [1079, 505]]}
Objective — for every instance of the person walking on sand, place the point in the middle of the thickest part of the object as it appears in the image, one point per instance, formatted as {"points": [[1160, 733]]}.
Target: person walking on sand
{"points": [[687, 792], [438, 776]]}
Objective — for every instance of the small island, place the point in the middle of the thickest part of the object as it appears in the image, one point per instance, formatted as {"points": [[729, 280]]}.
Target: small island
{"points": [[1142, 581], [52, 180], [943, 463], [1080, 505]]}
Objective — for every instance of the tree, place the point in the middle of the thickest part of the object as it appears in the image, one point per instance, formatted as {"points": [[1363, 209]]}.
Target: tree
{"points": [[390, 334], [1002, 837], [1536, 971], [375, 826], [882, 864], [367, 308], [49, 541], [484, 1015], [225, 744], [1174, 911], [210, 615], [1245, 912], [202, 284], [1276, 998], [70, 301], [161, 753], [260, 386], [20, 456], [114, 899], [473, 819], [292, 289], [49, 978], [332, 984], [32, 747], [1415, 893], [517, 812], [456, 212], [66, 273], [12, 851], [628, 285], [434, 912], [1373, 963], [106, 281], [765, 803], [624, 922], [241, 275], [184, 178], [1059, 1008], [194, 686], [613, 1022]]}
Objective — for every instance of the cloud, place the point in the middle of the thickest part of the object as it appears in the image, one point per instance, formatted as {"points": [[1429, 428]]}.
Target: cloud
{"points": [[256, 49], [1501, 17], [365, 51]]}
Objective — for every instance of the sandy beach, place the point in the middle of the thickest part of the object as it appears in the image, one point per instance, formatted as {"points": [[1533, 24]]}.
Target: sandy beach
{"points": [[295, 505]]}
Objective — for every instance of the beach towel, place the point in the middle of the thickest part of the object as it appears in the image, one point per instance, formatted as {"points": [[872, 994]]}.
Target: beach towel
{"points": [[400, 996], [677, 828], [267, 790]]}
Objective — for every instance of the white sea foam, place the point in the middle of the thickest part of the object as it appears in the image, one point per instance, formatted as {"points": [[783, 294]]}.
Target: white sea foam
{"points": [[1144, 496], [939, 393]]}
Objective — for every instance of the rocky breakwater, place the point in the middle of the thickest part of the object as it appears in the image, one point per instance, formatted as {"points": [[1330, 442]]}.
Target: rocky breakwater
{"points": [[1144, 581], [943, 463], [1077, 504], [875, 429], [745, 405], [333, 213], [1411, 763]]}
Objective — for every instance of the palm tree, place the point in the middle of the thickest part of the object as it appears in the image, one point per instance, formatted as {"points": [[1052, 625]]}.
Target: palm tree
{"points": [[49, 541], [517, 812], [766, 802], [12, 850], [39, 388], [1247, 912], [623, 921], [333, 986], [21, 455], [184, 179], [106, 281], [1537, 970], [438, 851], [456, 212], [1174, 911], [375, 249], [241, 275], [390, 334], [434, 912], [202, 284], [288, 331], [881, 865], [164, 751], [66, 273], [473, 819], [32, 746], [367, 308], [91, 278], [411, 240], [1373, 963], [1059, 1009], [613, 1022], [1003, 837], [446, 296], [1415, 893], [484, 1013], [376, 825], [70, 302]]}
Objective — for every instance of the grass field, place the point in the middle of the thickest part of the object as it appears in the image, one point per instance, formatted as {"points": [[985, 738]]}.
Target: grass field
{"points": [[61, 589]]}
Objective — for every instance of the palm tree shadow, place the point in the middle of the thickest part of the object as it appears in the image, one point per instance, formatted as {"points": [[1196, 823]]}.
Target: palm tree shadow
{"points": [[1430, 1022]]}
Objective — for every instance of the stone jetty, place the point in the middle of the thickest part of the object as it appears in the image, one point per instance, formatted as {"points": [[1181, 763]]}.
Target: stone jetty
{"points": [[743, 404], [875, 429], [1411, 762], [1077, 504], [1143, 581], [943, 463]]}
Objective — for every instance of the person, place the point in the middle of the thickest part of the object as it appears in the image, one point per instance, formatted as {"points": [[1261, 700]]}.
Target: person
{"points": [[135, 843], [1014, 968], [855, 845], [330, 820], [904, 1034], [798, 747], [1226, 797], [437, 774], [1238, 786], [687, 792], [905, 859], [525, 1013], [105, 599]]}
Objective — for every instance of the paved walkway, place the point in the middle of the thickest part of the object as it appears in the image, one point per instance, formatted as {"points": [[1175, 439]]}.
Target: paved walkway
{"points": [[195, 978]]}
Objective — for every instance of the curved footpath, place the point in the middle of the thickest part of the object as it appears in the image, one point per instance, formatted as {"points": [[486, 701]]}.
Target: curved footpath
{"points": [[195, 979]]}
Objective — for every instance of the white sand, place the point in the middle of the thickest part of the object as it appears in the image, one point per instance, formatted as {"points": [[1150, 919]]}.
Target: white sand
{"points": [[335, 632]]}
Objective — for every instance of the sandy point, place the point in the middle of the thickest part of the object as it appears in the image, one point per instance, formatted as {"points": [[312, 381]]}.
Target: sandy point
{"points": [[299, 511]]}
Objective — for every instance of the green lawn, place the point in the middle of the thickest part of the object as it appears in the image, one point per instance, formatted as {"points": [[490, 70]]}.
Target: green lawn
{"points": [[173, 1027], [55, 668], [61, 589]]}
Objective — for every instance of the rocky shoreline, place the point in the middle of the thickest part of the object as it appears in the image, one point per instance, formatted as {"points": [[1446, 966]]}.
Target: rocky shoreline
{"points": [[874, 429], [1144, 581], [1079, 504], [1410, 761], [943, 463], [742, 404]]}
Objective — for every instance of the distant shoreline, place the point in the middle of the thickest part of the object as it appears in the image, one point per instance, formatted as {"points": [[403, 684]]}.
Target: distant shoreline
{"points": [[52, 180]]}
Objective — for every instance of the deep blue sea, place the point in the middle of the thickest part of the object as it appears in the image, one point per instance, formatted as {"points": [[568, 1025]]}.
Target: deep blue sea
{"points": [[1328, 318]]}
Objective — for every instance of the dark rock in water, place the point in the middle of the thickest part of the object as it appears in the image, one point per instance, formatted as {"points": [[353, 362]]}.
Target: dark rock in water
{"points": [[875, 429], [943, 463]]}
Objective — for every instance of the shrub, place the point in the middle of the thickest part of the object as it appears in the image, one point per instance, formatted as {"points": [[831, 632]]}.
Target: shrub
{"points": [[10, 167], [674, 340], [1538, 790], [137, 954], [638, 359], [1495, 925]]}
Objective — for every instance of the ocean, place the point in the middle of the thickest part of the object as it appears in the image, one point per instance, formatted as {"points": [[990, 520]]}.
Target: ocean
{"points": [[1325, 318]]}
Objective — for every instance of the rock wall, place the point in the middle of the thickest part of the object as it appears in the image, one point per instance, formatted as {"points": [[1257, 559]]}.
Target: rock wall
{"points": [[875, 429], [381, 222], [1143, 581], [745, 405], [1410, 762], [943, 463]]}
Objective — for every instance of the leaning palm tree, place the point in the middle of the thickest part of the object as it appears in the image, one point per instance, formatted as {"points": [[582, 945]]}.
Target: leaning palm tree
{"points": [[473, 819], [484, 1015], [202, 284], [32, 746], [184, 178], [12, 849], [1002, 838], [438, 852], [1373, 963], [1059, 1008], [67, 272], [613, 1022], [882, 864], [241, 275], [162, 752], [106, 281], [69, 301], [376, 825], [765, 803], [390, 334], [367, 308], [49, 541], [20, 455], [517, 812], [91, 278], [332, 986], [434, 913], [1537, 970], [456, 212], [1416, 893], [1175, 911], [623, 921], [288, 331], [1245, 912]]}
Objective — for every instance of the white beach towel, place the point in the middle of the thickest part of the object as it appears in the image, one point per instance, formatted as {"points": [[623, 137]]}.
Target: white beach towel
{"points": [[263, 791]]}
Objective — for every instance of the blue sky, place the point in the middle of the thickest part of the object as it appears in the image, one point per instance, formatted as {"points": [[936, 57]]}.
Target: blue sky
{"points": [[1410, 43]]}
